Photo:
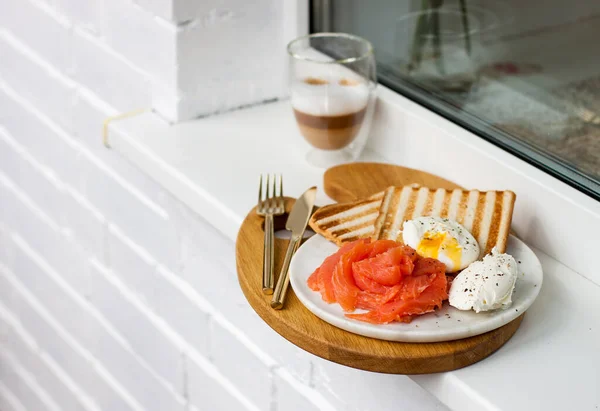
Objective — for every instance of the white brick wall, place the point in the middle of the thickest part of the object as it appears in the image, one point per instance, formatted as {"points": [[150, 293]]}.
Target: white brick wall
{"points": [[183, 58], [179, 11], [113, 295]]}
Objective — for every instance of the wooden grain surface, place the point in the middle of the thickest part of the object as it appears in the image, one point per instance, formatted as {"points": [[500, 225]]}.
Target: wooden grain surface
{"points": [[349, 182], [302, 328]]}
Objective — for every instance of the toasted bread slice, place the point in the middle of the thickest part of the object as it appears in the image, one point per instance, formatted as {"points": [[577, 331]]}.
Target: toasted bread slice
{"points": [[345, 222], [487, 215]]}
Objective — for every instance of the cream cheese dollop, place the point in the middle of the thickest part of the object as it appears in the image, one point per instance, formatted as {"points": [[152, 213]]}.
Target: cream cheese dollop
{"points": [[485, 285]]}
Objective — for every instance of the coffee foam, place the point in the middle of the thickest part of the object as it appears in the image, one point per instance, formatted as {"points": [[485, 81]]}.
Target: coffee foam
{"points": [[330, 99]]}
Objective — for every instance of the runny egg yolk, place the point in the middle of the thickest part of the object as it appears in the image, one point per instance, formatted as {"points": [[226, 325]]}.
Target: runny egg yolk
{"points": [[432, 243]]}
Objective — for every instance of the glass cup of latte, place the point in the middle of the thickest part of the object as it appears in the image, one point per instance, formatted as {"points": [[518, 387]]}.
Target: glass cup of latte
{"points": [[332, 81]]}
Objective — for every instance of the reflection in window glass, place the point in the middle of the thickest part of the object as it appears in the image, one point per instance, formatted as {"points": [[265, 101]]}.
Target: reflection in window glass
{"points": [[524, 75]]}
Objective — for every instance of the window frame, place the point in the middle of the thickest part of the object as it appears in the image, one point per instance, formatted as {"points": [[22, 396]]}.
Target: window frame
{"points": [[320, 21]]}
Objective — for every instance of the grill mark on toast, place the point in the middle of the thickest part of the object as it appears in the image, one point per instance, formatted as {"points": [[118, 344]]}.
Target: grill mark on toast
{"points": [[383, 210], [445, 205], [327, 214], [410, 208], [486, 220], [508, 201], [327, 211], [388, 213], [492, 237], [462, 206], [438, 201], [429, 203], [353, 230], [350, 224], [478, 216], [357, 233], [423, 196], [470, 209], [397, 215], [454, 204], [369, 215]]}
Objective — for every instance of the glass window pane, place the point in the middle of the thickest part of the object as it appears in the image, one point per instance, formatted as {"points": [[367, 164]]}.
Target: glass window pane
{"points": [[524, 75]]}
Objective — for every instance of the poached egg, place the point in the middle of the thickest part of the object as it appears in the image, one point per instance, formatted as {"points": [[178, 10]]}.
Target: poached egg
{"points": [[443, 239], [485, 285]]}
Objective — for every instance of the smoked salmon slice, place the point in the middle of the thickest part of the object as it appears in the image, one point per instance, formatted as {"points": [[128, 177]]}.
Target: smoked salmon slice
{"points": [[387, 268], [407, 306], [384, 277], [320, 280], [345, 289]]}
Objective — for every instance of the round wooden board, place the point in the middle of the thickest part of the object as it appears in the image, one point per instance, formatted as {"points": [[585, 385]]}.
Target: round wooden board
{"points": [[302, 328], [349, 182]]}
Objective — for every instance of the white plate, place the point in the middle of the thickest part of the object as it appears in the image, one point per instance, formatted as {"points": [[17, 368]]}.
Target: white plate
{"points": [[442, 325]]}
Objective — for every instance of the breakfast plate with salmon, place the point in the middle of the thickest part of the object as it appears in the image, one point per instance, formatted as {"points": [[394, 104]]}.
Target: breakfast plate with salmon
{"points": [[417, 264]]}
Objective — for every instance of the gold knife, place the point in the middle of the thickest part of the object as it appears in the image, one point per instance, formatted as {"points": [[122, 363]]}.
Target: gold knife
{"points": [[296, 223]]}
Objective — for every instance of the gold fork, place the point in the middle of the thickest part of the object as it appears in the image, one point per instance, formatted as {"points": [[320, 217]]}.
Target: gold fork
{"points": [[270, 205]]}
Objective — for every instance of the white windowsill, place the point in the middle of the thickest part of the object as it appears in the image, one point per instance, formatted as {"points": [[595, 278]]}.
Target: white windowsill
{"points": [[212, 165]]}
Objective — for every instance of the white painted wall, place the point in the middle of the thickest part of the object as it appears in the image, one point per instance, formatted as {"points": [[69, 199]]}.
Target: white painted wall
{"points": [[182, 58], [113, 295]]}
